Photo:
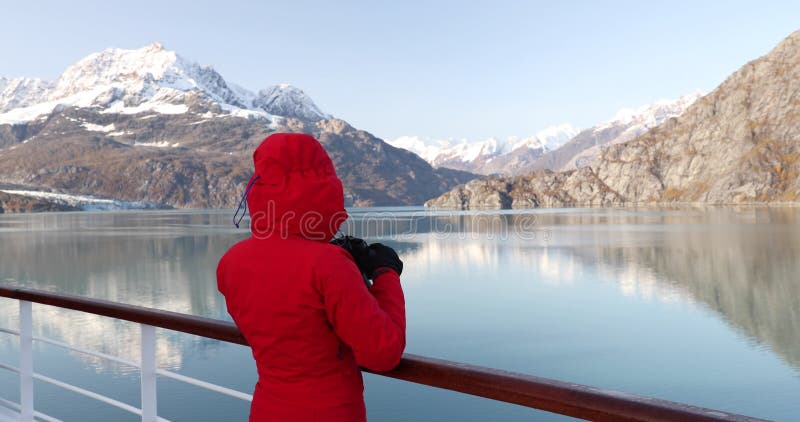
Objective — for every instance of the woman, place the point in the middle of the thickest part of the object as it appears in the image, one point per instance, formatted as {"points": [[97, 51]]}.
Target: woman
{"points": [[300, 301]]}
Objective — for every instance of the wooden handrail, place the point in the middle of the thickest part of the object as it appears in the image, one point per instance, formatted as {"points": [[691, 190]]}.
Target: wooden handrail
{"points": [[555, 396]]}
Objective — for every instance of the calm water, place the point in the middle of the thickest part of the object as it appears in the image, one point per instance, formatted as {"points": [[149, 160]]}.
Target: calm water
{"points": [[693, 305]]}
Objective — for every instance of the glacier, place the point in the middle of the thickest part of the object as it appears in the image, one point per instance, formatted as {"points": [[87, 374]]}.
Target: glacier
{"points": [[85, 202]]}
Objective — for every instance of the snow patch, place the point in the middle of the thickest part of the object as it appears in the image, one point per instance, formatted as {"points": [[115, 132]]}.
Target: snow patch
{"points": [[120, 133], [162, 144], [42, 109], [244, 112], [26, 114], [119, 107], [98, 128]]}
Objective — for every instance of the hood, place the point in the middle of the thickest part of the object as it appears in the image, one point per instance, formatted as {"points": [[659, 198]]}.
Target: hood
{"points": [[295, 189]]}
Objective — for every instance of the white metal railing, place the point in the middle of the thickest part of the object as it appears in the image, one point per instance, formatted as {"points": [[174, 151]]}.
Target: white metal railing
{"points": [[148, 370], [566, 398]]}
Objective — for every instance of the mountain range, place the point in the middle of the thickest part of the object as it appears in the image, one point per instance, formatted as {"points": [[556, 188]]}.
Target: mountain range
{"points": [[149, 79], [738, 144], [561, 147], [150, 127], [584, 148], [478, 156]]}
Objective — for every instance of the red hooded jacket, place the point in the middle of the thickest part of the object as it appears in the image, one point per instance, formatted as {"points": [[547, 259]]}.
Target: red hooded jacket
{"points": [[300, 302]]}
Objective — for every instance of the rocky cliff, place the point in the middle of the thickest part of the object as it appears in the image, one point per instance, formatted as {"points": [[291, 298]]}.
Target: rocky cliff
{"points": [[543, 188], [184, 161], [738, 144]]}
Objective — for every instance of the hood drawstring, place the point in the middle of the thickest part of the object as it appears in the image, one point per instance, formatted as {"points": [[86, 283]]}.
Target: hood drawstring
{"points": [[243, 202]]}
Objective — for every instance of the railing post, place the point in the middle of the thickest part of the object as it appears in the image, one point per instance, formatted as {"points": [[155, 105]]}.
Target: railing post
{"points": [[148, 374], [26, 360]]}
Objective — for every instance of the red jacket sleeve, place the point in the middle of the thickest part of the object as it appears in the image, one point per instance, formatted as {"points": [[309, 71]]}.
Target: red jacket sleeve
{"points": [[371, 322]]}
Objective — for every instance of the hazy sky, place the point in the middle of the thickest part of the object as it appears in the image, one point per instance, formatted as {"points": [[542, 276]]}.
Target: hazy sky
{"points": [[432, 68]]}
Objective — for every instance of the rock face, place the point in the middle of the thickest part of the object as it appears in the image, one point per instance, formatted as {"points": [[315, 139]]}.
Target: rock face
{"points": [[739, 144], [150, 126], [543, 188]]}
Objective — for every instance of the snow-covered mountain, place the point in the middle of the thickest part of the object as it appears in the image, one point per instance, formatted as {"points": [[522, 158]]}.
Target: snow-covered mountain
{"points": [[652, 114], [556, 148], [148, 79], [475, 155], [626, 125], [126, 127]]}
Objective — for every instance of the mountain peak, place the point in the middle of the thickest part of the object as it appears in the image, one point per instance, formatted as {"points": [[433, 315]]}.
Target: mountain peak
{"points": [[652, 114], [119, 66], [290, 101], [133, 81], [156, 46]]}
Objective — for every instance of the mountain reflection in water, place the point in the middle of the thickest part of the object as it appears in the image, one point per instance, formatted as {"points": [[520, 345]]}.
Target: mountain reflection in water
{"points": [[739, 263]]}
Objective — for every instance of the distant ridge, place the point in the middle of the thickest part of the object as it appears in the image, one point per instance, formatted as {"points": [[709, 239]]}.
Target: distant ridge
{"points": [[486, 156], [561, 147], [586, 146]]}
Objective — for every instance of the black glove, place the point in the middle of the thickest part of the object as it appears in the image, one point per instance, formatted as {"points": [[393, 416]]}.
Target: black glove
{"points": [[369, 257], [378, 255], [357, 248]]}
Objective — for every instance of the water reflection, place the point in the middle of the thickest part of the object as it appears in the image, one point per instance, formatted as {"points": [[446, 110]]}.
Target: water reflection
{"points": [[747, 274], [739, 262], [163, 261]]}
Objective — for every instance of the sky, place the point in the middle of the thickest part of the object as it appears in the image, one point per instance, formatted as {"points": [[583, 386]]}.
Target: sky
{"points": [[439, 69]]}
